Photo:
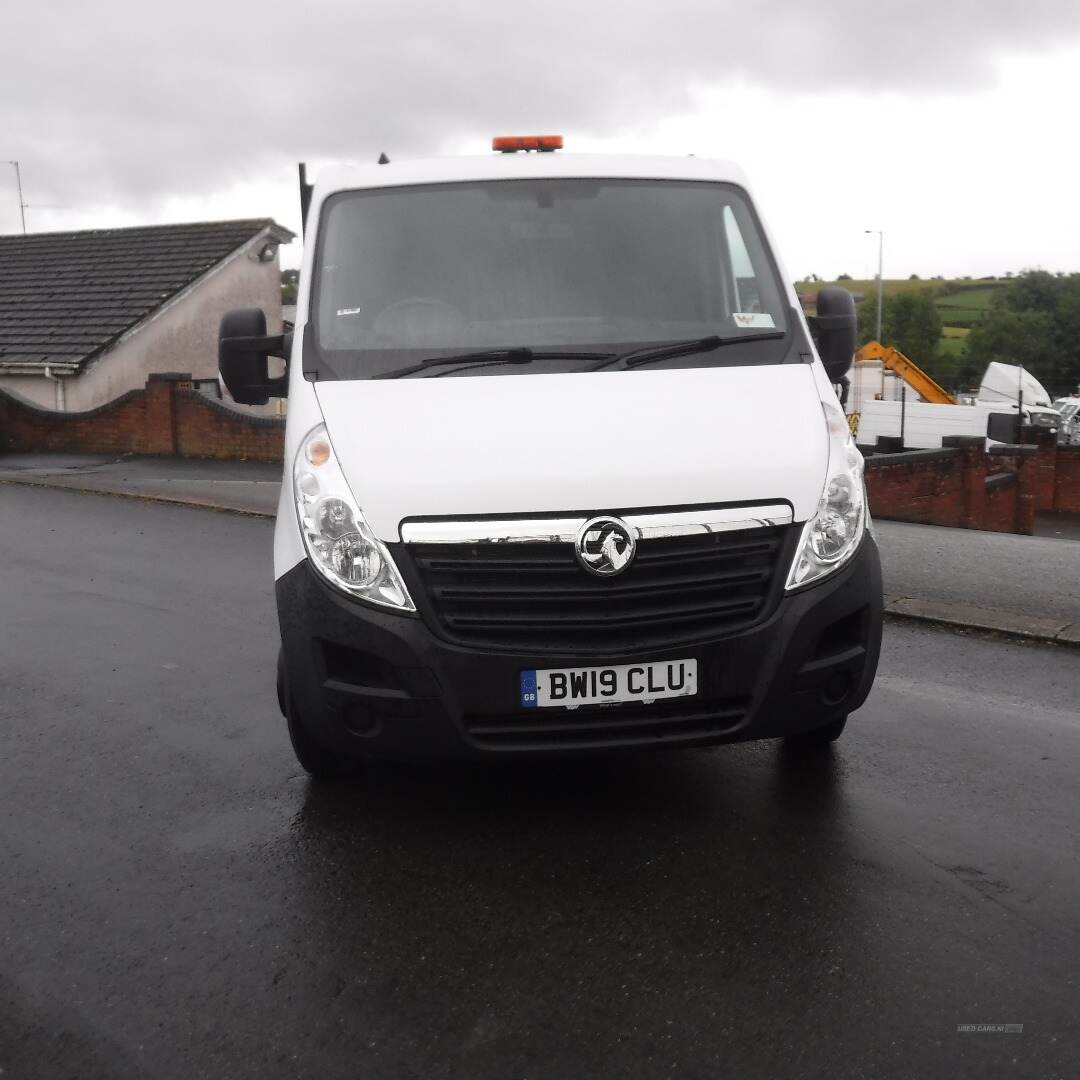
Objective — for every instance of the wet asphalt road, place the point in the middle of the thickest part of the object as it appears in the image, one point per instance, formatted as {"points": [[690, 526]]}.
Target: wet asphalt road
{"points": [[178, 901]]}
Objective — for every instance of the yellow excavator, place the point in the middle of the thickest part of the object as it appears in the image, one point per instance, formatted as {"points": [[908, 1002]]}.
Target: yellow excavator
{"points": [[908, 370]]}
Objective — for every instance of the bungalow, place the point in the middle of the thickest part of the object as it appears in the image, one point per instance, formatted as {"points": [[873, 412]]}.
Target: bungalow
{"points": [[87, 316]]}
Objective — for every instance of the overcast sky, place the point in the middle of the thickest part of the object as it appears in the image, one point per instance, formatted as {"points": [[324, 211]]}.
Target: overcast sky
{"points": [[949, 124]]}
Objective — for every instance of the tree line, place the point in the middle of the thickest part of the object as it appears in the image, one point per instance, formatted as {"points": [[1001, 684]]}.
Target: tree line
{"points": [[1033, 320]]}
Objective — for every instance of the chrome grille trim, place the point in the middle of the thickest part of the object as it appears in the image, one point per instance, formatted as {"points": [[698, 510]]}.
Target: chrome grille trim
{"points": [[564, 530]]}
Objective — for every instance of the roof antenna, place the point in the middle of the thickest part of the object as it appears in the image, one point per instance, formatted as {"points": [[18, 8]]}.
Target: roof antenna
{"points": [[22, 205], [383, 159]]}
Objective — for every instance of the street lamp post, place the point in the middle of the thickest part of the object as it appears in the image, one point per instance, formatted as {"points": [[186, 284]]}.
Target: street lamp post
{"points": [[880, 293], [880, 275]]}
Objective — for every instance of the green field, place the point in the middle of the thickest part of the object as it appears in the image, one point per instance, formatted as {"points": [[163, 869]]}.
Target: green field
{"points": [[866, 288], [966, 299], [965, 307], [960, 302], [952, 347], [970, 299]]}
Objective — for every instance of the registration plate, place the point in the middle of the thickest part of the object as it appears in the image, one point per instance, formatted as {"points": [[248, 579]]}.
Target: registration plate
{"points": [[567, 688]]}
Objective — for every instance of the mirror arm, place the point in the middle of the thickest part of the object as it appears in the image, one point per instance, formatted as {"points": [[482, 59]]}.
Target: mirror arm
{"points": [[831, 322], [274, 344], [278, 387]]}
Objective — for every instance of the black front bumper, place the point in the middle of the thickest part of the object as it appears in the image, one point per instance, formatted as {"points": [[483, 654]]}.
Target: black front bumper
{"points": [[366, 681]]}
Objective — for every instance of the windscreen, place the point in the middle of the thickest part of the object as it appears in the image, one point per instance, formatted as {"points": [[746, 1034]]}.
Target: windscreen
{"points": [[404, 275]]}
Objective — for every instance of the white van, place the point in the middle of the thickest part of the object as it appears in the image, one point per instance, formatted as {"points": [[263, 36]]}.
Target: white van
{"points": [[534, 499]]}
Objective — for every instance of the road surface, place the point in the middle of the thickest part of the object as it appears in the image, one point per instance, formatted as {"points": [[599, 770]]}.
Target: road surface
{"points": [[179, 901]]}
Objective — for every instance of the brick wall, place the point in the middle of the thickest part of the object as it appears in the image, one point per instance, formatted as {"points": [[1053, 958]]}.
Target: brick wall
{"points": [[1046, 468], [1067, 479], [116, 428], [963, 486], [921, 485], [167, 417], [999, 509], [206, 428]]}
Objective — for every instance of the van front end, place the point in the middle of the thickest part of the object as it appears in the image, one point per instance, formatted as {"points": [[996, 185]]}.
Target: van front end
{"points": [[452, 680], [565, 467]]}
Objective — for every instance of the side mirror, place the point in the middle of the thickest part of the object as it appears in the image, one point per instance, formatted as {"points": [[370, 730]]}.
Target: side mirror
{"points": [[834, 329], [244, 350]]}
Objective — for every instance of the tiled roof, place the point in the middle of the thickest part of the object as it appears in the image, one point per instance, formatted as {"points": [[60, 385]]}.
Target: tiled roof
{"points": [[66, 297]]}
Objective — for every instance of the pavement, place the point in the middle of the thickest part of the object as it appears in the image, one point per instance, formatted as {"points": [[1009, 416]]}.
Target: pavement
{"points": [[178, 900], [1019, 586], [1026, 586], [245, 487]]}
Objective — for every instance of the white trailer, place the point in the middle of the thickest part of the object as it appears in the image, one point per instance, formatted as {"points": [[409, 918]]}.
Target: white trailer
{"points": [[923, 425]]}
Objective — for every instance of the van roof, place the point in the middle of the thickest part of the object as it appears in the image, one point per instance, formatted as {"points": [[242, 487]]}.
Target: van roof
{"points": [[497, 166]]}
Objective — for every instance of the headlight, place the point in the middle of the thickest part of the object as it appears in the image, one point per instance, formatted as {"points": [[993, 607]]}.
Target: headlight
{"points": [[339, 542], [833, 534]]}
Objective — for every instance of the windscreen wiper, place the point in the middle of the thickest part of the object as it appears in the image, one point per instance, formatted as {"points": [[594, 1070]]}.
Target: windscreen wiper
{"points": [[523, 355], [653, 353]]}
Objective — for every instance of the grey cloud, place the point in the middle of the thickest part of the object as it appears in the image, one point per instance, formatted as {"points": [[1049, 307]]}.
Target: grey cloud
{"points": [[133, 101]]}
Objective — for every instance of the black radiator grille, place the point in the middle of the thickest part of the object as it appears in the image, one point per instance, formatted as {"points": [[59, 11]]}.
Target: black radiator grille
{"points": [[536, 596]]}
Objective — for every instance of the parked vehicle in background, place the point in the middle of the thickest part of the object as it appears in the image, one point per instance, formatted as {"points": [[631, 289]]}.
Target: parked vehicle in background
{"points": [[529, 503], [918, 425], [1009, 398], [1069, 432], [1022, 391]]}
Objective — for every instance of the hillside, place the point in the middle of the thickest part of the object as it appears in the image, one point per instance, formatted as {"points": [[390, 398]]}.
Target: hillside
{"points": [[960, 303], [959, 300]]}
